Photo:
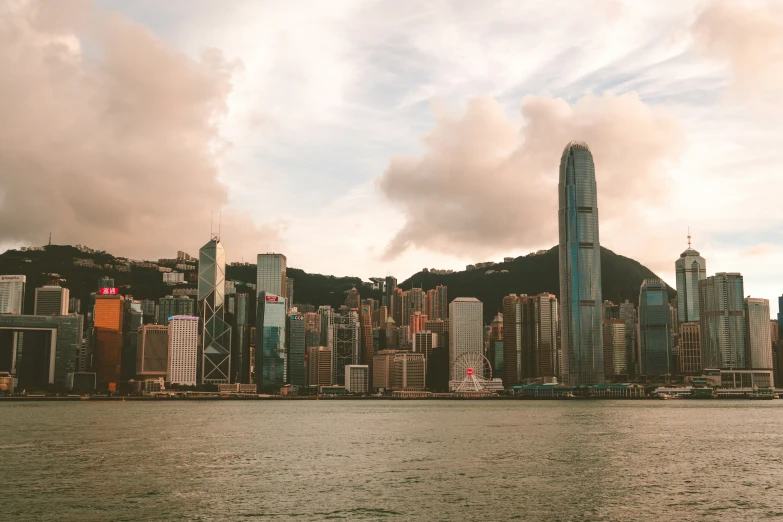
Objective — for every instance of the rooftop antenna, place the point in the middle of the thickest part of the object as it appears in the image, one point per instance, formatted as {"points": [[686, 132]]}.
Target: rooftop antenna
{"points": [[50, 239], [689, 238], [220, 221]]}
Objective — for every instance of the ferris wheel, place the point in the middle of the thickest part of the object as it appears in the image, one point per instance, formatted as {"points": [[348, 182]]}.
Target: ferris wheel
{"points": [[472, 372]]}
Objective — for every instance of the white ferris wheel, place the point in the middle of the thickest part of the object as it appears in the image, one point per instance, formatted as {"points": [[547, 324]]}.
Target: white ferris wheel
{"points": [[472, 372]]}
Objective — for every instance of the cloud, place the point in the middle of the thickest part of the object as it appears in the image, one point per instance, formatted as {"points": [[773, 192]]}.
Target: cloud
{"points": [[483, 186], [109, 136], [749, 37]]}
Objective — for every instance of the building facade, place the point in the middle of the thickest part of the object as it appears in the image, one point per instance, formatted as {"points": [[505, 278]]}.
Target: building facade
{"points": [[108, 320], [183, 350], [271, 370], [466, 329], [12, 294], [759, 341], [655, 340], [152, 351], [691, 268], [580, 269], [319, 366], [297, 349], [51, 300], [357, 378], [346, 343], [215, 331], [170, 305], [614, 348], [271, 274], [408, 371], [690, 348], [723, 325]]}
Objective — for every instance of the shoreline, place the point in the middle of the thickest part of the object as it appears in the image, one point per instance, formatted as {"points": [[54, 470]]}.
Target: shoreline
{"points": [[312, 398]]}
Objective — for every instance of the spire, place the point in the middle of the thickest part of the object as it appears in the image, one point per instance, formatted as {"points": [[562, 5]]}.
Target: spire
{"points": [[689, 238]]}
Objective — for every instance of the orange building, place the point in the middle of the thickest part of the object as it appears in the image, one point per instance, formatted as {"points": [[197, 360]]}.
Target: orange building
{"points": [[417, 321], [108, 338]]}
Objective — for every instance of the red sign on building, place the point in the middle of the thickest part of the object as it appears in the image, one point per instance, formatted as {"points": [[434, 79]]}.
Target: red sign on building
{"points": [[272, 298], [108, 291]]}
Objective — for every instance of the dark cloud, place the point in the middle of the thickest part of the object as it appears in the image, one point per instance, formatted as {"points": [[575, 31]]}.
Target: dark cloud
{"points": [[484, 186], [109, 136]]}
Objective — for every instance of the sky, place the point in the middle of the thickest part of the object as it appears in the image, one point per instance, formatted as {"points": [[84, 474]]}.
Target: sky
{"points": [[379, 137]]}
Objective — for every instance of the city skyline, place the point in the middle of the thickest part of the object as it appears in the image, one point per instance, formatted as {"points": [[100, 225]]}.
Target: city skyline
{"points": [[360, 145]]}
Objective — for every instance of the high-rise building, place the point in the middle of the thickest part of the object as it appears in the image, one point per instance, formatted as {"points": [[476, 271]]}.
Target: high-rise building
{"points": [[353, 299], [614, 348], [425, 342], [74, 306], [774, 334], [389, 335], [108, 319], [327, 321], [759, 342], [397, 311], [215, 333], [546, 317], [357, 378], [611, 310], [319, 366], [379, 316], [691, 268], [389, 288], [152, 351], [132, 319], [289, 289], [628, 314], [270, 274], [271, 356], [655, 342], [382, 365], [408, 371], [346, 342], [367, 345], [690, 348], [12, 294], [412, 301], [466, 329], [723, 326], [580, 269], [297, 349], [183, 350], [312, 329], [416, 323], [441, 328], [437, 303], [105, 282], [170, 305], [241, 318], [519, 339], [51, 300]]}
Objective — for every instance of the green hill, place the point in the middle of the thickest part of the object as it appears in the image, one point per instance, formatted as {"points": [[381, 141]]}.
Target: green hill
{"points": [[621, 278], [529, 275]]}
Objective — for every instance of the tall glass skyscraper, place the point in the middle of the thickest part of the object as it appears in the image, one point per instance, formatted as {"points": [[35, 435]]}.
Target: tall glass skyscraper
{"points": [[655, 328], [271, 368], [758, 333], [723, 326], [580, 268], [215, 332], [691, 268]]}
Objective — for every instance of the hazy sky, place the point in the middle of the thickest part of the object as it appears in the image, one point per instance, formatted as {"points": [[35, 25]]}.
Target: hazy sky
{"points": [[373, 137]]}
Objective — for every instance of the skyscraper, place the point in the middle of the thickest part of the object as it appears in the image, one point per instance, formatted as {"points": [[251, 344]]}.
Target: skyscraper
{"points": [[152, 351], [242, 319], [723, 326], [614, 348], [319, 366], [518, 338], [51, 300], [759, 342], [345, 343], [215, 333], [12, 294], [295, 332], [690, 348], [655, 342], [108, 338], [466, 329], [183, 350], [546, 316], [270, 275], [365, 338], [171, 305], [580, 268], [289, 291], [628, 314], [691, 268], [271, 357]]}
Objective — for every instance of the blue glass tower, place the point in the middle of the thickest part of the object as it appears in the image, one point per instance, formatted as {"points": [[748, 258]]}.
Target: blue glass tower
{"points": [[580, 269], [655, 328], [271, 364]]}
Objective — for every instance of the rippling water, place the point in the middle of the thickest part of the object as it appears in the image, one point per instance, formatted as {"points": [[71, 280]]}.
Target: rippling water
{"points": [[426, 460]]}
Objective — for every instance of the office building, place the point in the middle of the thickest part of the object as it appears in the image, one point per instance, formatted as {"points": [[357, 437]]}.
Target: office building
{"points": [[437, 303], [611, 310], [381, 367], [389, 335], [108, 320], [319, 366], [152, 351], [12, 294], [412, 301], [759, 342], [289, 292], [327, 321], [691, 268], [105, 282], [271, 275], [132, 319], [388, 289], [51, 300], [357, 378], [628, 314], [441, 328], [170, 305], [271, 357], [346, 341], [546, 317], [379, 316], [519, 339], [297, 349], [408, 371], [580, 269], [425, 342], [74, 306], [183, 350], [655, 342], [40, 350], [690, 348], [241, 317], [397, 311], [614, 348], [312, 323], [723, 326], [215, 331], [466, 329], [353, 299]]}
